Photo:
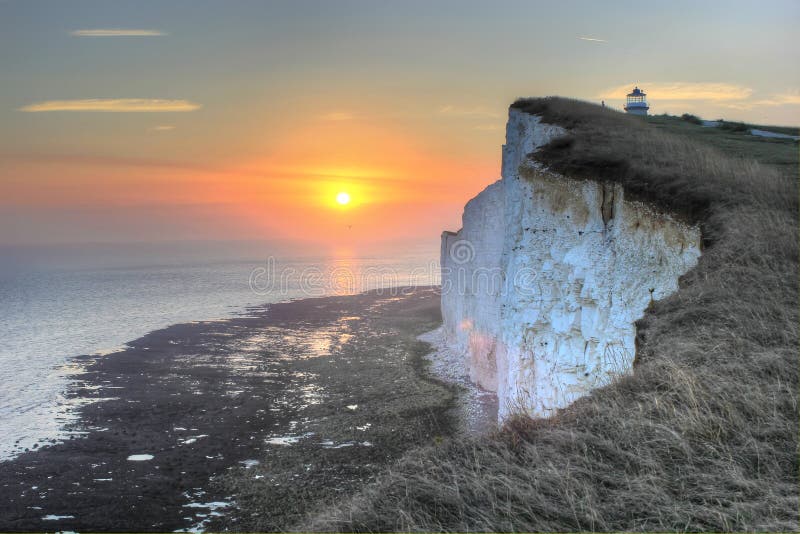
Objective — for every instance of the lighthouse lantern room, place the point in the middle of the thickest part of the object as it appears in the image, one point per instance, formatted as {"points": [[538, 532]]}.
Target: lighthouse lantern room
{"points": [[637, 102]]}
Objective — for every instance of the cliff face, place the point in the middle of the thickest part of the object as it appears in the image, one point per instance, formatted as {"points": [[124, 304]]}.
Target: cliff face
{"points": [[542, 285]]}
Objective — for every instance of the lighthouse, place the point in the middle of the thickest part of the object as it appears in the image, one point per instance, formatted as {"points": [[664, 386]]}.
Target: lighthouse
{"points": [[637, 102]]}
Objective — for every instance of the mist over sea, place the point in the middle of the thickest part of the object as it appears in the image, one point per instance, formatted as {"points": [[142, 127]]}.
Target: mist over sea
{"points": [[59, 302]]}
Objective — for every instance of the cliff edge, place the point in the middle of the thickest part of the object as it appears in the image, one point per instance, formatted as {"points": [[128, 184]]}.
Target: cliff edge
{"points": [[543, 284]]}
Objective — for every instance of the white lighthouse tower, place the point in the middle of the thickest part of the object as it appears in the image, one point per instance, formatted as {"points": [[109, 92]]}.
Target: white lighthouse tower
{"points": [[637, 103]]}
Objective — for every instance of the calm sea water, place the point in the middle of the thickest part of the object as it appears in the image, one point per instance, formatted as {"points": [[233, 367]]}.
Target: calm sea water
{"points": [[54, 305]]}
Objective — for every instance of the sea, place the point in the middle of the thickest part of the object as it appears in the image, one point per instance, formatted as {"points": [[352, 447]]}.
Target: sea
{"points": [[58, 302]]}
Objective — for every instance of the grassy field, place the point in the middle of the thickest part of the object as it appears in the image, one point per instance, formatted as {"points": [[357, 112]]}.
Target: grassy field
{"points": [[704, 435], [781, 153]]}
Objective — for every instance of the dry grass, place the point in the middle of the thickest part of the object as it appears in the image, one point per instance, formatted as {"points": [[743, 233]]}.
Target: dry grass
{"points": [[704, 435]]}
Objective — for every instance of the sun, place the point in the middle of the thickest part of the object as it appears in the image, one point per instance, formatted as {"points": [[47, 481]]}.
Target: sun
{"points": [[343, 198]]}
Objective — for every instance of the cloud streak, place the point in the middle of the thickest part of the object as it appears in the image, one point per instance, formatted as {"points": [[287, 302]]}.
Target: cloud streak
{"points": [[684, 91], [724, 95], [117, 33], [118, 105], [592, 39], [780, 100]]}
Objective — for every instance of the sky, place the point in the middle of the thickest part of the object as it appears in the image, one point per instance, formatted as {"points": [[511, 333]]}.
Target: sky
{"points": [[159, 121]]}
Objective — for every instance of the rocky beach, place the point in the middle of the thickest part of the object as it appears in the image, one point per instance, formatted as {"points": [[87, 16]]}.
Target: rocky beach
{"points": [[246, 423]]}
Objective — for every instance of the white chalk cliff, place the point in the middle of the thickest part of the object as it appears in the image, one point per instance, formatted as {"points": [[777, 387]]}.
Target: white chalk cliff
{"points": [[542, 285]]}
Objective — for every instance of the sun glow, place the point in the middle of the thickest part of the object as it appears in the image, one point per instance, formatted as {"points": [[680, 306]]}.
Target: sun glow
{"points": [[343, 198]]}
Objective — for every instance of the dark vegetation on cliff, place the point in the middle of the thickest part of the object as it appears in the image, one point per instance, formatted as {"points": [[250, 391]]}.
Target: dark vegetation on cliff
{"points": [[682, 173], [704, 435]]}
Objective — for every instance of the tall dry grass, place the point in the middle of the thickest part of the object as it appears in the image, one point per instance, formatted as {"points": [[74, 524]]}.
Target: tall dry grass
{"points": [[704, 435]]}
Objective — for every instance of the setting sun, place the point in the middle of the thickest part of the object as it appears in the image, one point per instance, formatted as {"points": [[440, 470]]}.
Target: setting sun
{"points": [[328, 219], [343, 198]]}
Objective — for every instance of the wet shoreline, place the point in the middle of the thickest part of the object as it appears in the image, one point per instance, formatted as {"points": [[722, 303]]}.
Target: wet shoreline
{"points": [[247, 423], [476, 409]]}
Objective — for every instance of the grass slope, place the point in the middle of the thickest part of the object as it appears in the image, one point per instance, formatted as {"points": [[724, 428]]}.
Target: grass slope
{"points": [[781, 153], [704, 435]]}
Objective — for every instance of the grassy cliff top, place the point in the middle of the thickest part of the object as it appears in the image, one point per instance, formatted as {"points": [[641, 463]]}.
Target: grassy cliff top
{"points": [[683, 167], [703, 436]]}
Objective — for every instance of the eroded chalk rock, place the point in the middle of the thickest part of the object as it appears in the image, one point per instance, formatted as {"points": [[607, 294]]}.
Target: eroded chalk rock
{"points": [[542, 285]]}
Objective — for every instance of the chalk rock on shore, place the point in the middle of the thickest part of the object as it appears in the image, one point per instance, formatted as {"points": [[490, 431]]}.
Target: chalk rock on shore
{"points": [[543, 283]]}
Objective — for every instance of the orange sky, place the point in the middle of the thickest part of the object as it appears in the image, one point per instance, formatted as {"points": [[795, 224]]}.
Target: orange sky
{"points": [[195, 120], [400, 188]]}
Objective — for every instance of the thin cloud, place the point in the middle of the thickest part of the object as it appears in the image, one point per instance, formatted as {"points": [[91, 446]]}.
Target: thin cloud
{"points": [[113, 105], [103, 161], [163, 128], [117, 33], [780, 100], [476, 112], [743, 105], [715, 92], [592, 39]]}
